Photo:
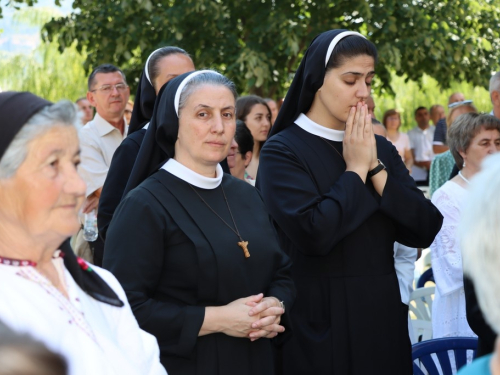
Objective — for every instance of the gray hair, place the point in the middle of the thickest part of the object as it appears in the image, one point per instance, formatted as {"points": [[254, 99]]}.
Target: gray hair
{"points": [[207, 78], [480, 238], [464, 128], [63, 113], [495, 82]]}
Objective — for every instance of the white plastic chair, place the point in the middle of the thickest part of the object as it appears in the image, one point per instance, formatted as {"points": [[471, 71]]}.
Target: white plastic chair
{"points": [[421, 303], [422, 329]]}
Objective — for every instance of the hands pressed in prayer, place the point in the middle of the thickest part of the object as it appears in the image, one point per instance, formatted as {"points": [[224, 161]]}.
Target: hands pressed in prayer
{"points": [[360, 151]]}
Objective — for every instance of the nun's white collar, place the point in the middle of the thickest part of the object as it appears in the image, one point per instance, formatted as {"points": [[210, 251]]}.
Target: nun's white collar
{"points": [[314, 128], [191, 177]]}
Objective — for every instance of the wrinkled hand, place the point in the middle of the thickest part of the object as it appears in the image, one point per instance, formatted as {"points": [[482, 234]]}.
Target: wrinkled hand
{"points": [[269, 311], [360, 151]]}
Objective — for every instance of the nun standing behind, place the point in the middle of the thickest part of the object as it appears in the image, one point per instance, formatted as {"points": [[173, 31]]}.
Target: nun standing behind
{"points": [[193, 247], [161, 66], [340, 197]]}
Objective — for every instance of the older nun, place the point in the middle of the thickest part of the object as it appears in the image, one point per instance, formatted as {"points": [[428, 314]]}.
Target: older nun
{"points": [[77, 311]]}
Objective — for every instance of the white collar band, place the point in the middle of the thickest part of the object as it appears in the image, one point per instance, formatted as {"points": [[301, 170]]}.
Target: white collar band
{"points": [[184, 83], [337, 39], [314, 128], [146, 70], [191, 177]]}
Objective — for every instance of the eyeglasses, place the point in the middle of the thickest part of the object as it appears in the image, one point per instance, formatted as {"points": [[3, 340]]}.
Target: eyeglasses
{"points": [[107, 89], [456, 104]]}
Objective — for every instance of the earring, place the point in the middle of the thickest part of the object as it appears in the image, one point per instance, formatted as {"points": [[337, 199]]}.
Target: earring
{"points": [[463, 166]]}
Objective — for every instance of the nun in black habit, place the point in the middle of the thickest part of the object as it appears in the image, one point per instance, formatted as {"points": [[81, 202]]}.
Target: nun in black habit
{"points": [[194, 248], [340, 197], [161, 66]]}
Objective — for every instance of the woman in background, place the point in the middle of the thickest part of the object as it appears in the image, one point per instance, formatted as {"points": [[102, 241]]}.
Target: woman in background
{"points": [[255, 113], [392, 122]]}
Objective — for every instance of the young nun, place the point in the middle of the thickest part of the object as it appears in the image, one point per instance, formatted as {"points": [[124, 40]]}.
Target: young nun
{"points": [[193, 247], [161, 66], [340, 197]]}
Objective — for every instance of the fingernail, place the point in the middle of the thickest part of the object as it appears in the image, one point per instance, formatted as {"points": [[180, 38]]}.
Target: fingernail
{"points": [[254, 325]]}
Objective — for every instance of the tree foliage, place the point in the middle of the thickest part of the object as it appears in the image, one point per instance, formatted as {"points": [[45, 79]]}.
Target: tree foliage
{"points": [[45, 71], [259, 43]]}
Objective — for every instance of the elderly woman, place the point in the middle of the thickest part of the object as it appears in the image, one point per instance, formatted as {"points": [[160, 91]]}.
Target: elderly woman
{"points": [[77, 311], [442, 164], [193, 247], [480, 242], [471, 138]]}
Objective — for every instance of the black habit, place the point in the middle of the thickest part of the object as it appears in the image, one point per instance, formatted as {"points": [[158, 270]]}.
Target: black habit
{"points": [[179, 257], [174, 256], [348, 318]]}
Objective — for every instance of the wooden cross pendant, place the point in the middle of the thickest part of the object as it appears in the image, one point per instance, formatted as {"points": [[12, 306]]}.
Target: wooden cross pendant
{"points": [[244, 246]]}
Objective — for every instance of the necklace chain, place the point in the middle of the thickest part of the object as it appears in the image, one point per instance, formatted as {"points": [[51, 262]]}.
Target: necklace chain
{"points": [[329, 144], [242, 244], [463, 178]]}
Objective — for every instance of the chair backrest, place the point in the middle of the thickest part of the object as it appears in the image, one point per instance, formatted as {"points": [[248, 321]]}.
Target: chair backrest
{"points": [[422, 329], [426, 276], [421, 302], [423, 353]]}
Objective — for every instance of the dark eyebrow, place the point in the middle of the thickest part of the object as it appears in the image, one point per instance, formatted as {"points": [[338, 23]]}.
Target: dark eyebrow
{"points": [[207, 106], [358, 74]]}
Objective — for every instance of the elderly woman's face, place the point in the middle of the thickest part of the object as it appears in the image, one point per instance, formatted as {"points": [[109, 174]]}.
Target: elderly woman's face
{"points": [[485, 143], [45, 194], [206, 127]]}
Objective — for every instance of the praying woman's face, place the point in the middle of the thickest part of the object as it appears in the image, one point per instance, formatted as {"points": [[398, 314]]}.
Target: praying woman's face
{"points": [[343, 88], [207, 124], [44, 196]]}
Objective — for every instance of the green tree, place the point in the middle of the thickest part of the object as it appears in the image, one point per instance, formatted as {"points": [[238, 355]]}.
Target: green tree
{"points": [[259, 43], [45, 71]]}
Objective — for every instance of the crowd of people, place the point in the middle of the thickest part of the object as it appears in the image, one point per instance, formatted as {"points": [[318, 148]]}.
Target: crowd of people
{"points": [[237, 236]]}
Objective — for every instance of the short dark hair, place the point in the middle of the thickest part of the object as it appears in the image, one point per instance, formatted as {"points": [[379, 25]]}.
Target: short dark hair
{"points": [[419, 109], [103, 68], [243, 137], [348, 47], [153, 66], [464, 129]]}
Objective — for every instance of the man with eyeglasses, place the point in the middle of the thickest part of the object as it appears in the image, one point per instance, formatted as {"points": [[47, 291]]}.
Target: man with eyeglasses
{"points": [[108, 92], [439, 143]]}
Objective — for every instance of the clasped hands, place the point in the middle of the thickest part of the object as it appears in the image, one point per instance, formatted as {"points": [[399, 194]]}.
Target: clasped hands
{"points": [[359, 145], [254, 317]]}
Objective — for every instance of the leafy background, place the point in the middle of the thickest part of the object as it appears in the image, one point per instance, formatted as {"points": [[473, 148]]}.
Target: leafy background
{"points": [[428, 49]]}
